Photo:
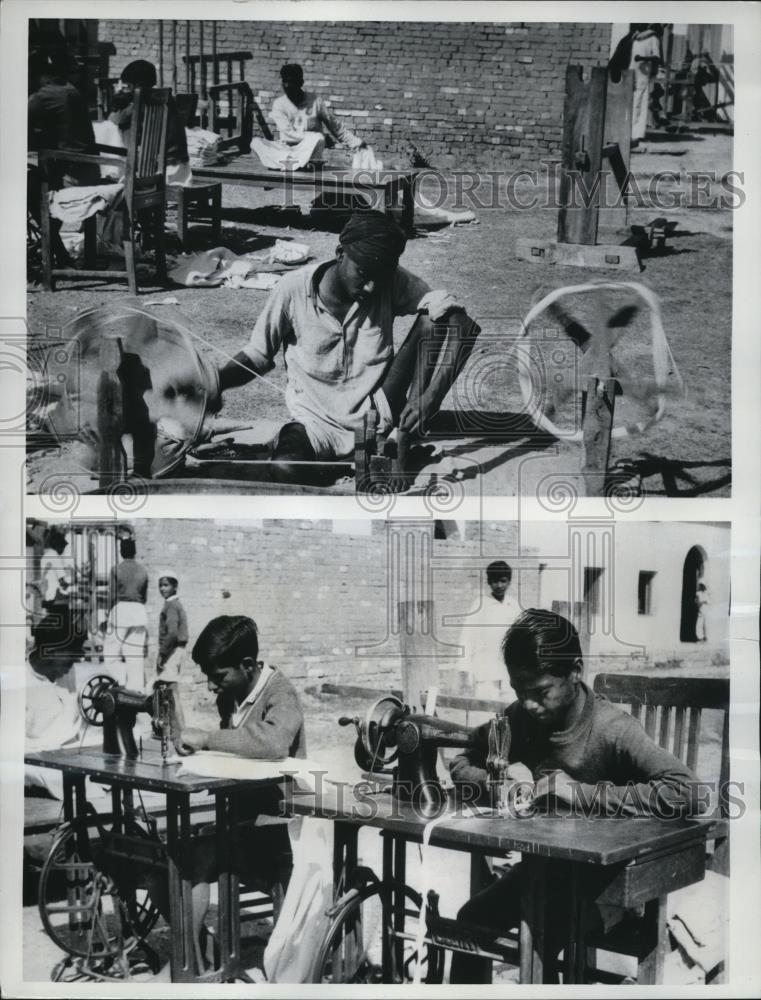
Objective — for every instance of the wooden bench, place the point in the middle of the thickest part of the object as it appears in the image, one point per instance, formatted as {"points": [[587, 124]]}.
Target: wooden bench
{"points": [[389, 191]]}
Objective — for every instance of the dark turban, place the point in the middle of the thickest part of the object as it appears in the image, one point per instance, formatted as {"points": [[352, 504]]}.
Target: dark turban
{"points": [[140, 73], [372, 240]]}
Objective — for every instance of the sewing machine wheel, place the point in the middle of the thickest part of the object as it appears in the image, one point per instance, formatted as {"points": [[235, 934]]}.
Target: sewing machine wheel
{"points": [[94, 687], [363, 930], [372, 751], [81, 907]]}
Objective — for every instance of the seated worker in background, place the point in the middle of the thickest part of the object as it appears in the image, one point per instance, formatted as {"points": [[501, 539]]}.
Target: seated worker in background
{"points": [[334, 322], [566, 742], [57, 118], [301, 119], [260, 717], [52, 712], [142, 73]]}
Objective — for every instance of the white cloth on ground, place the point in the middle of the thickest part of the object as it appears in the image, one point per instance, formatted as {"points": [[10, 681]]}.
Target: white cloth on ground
{"points": [[210, 268], [698, 919]]}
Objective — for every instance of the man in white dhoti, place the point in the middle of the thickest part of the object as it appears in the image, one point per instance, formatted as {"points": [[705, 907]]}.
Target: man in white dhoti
{"points": [[645, 58], [301, 119], [127, 627], [483, 631]]}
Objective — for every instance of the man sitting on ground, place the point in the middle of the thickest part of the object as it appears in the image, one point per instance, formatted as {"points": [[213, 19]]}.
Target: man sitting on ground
{"points": [[334, 323], [572, 746], [301, 119]]}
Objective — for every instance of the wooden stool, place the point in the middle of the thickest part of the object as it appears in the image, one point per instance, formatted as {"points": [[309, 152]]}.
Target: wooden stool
{"points": [[205, 198]]}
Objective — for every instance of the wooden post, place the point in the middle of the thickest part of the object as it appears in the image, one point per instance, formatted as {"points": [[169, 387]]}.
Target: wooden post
{"points": [[110, 414], [214, 67], [420, 665], [580, 180], [617, 149], [174, 57], [188, 88], [161, 53], [597, 424]]}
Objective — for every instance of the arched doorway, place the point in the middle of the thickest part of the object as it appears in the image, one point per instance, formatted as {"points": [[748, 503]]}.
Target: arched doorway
{"points": [[692, 574]]}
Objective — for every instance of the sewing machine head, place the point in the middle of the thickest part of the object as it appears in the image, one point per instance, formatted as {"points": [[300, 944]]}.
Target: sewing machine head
{"points": [[103, 702], [392, 733]]}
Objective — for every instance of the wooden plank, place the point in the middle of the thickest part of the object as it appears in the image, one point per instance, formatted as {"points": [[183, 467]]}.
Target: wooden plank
{"points": [[597, 426], [693, 731], [420, 665], [618, 133], [650, 712], [653, 951], [442, 700], [701, 692], [581, 155], [110, 414], [638, 882], [679, 714], [615, 258], [663, 735]]}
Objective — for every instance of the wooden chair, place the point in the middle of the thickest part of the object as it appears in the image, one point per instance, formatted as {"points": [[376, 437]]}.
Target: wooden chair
{"points": [[671, 711], [144, 200]]}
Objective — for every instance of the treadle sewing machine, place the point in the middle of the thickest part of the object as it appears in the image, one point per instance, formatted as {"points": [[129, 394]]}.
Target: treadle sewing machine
{"points": [[392, 734], [102, 702]]}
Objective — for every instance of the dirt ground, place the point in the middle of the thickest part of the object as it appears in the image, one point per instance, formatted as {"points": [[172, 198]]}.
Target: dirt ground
{"points": [[688, 453]]}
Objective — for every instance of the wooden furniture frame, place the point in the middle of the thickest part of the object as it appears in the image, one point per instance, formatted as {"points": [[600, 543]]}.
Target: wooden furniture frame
{"points": [[144, 199]]}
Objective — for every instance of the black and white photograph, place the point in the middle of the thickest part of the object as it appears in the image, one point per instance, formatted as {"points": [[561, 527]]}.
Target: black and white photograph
{"points": [[352, 257], [380, 535], [503, 694]]}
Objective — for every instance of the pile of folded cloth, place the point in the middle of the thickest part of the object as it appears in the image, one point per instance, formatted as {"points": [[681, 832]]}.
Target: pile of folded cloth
{"points": [[203, 147]]}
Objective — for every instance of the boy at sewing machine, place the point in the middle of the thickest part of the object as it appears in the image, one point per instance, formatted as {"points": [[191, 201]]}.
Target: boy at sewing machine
{"points": [[334, 322], [566, 744], [260, 717]]}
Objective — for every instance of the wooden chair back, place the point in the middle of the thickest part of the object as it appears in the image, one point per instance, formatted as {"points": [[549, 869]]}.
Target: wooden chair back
{"points": [[670, 711], [146, 149], [238, 102]]}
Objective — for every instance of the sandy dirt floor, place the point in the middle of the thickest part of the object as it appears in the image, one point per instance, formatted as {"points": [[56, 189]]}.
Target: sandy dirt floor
{"points": [[481, 442]]}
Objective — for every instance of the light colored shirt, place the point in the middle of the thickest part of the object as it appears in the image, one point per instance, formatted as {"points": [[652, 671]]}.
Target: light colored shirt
{"points": [[52, 714], [481, 636], [239, 715], [334, 367], [312, 114]]}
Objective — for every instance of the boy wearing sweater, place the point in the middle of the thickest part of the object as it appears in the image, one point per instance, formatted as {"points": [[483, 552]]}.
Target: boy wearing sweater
{"points": [[261, 718], [173, 630], [570, 745]]}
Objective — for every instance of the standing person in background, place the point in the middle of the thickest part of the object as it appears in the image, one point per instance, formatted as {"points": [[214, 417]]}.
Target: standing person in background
{"points": [[301, 119], [173, 630], [483, 632], [702, 600], [127, 627]]}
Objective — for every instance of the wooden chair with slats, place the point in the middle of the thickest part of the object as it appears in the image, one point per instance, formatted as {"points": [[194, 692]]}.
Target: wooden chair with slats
{"points": [[143, 206], [672, 712]]}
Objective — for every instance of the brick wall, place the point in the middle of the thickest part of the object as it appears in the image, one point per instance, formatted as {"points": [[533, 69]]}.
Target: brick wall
{"points": [[314, 594], [467, 96]]}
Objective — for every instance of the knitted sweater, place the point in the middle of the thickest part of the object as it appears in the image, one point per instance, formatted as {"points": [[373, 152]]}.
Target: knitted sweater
{"points": [[604, 746], [272, 729]]}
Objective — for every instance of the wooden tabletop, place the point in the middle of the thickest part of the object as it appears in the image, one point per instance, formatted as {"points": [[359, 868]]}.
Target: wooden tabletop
{"points": [[247, 166], [148, 772], [603, 841]]}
